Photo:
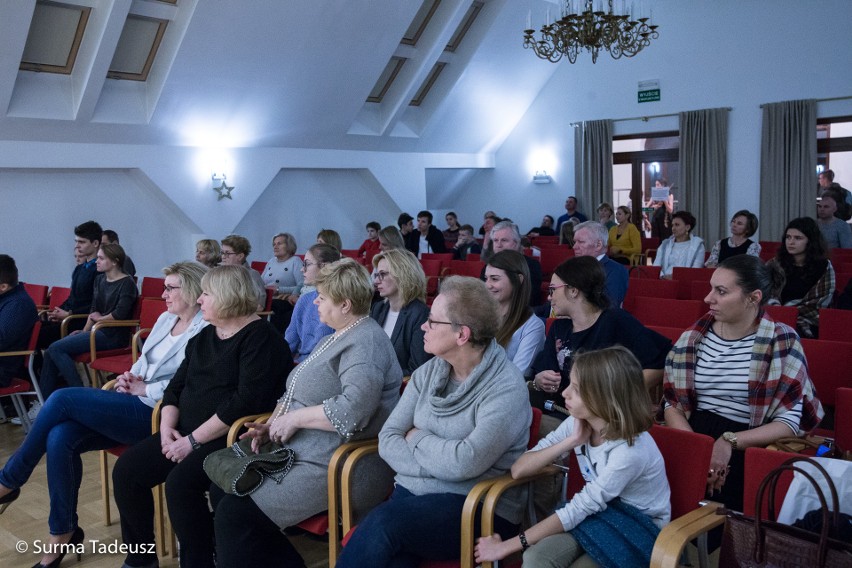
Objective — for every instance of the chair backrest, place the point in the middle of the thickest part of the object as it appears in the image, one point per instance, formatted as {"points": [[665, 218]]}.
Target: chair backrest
{"points": [[768, 249], [643, 271], [668, 313], [432, 267], [835, 325], [464, 268], [843, 419], [697, 290], [785, 314], [830, 367], [673, 333], [686, 471], [758, 463], [553, 257], [649, 288], [150, 310], [690, 274], [152, 287], [58, 295], [258, 265], [442, 256], [38, 292], [535, 425]]}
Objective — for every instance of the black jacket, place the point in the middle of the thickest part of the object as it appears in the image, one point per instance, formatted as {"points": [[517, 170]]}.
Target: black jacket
{"points": [[407, 337], [434, 237]]}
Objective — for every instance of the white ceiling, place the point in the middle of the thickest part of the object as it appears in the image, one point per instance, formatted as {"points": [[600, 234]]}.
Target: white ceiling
{"points": [[280, 73]]}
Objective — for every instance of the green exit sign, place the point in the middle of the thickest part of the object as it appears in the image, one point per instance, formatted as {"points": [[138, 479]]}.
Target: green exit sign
{"points": [[649, 96]]}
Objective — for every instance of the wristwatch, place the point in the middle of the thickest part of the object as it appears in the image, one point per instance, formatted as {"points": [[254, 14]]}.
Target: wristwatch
{"points": [[731, 438], [195, 445]]}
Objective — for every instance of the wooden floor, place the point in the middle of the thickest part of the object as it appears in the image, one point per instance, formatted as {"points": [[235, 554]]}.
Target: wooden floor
{"points": [[25, 521]]}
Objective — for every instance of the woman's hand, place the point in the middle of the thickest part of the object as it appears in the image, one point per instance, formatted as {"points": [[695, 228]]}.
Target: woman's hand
{"points": [[580, 434], [718, 466], [489, 549], [293, 298], [128, 383], [167, 436], [96, 316], [259, 434], [548, 381], [177, 450], [283, 427], [614, 250]]}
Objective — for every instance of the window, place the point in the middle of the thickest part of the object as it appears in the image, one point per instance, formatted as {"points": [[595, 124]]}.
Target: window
{"points": [[834, 148], [54, 37]]}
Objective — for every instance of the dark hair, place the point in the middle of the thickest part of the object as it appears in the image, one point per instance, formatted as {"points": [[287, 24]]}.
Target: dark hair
{"points": [[829, 174], [517, 270], [466, 227], [8, 270], [374, 225], [687, 217], [552, 220], [586, 275], [753, 274], [238, 243], [815, 251], [111, 235], [89, 230], [751, 221], [403, 219], [663, 182], [115, 253], [324, 253], [330, 237], [453, 213], [427, 214]]}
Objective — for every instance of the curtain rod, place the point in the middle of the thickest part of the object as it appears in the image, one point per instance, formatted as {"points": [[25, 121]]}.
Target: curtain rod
{"points": [[643, 118], [847, 97]]}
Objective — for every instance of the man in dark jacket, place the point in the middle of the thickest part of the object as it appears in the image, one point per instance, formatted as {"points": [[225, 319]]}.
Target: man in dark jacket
{"points": [[17, 316], [427, 237]]}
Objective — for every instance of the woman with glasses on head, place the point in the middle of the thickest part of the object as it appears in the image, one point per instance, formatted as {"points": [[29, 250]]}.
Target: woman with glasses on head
{"points": [[208, 252], [77, 420], [401, 283], [306, 329], [283, 272], [235, 252], [462, 418]]}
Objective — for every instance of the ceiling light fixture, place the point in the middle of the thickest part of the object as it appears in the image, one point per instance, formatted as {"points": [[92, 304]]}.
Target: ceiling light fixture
{"points": [[592, 30]]}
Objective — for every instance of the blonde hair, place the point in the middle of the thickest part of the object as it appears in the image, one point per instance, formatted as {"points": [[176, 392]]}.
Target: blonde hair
{"points": [[407, 271], [234, 290], [189, 275], [392, 237], [612, 387], [212, 251], [345, 279], [469, 303]]}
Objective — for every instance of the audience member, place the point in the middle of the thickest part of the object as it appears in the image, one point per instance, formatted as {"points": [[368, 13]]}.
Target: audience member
{"points": [[682, 248], [401, 283], [714, 387], [110, 237], [390, 238], [743, 225], [566, 233], [843, 197], [626, 487], [235, 252], [488, 225], [484, 230], [405, 222], [605, 214], [330, 237], [545, 230], [451, 233], [590, 239], [371, 245], [462, 418], [17, 316], [427, 238], [283, 272], [661, 219], [624, 237], [344, 391], [835, 231], [208, 253], [505, 236], [521, 333], [809, 274], [114, 298], [306, 329], [466, 244], [83, 419], [570, 213], [234, 367]]}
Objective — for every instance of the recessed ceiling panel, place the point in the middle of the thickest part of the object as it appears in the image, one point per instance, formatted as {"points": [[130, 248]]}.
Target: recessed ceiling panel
{"points": [[54, 37], [390, 72], [420, 21], [136, 48]]}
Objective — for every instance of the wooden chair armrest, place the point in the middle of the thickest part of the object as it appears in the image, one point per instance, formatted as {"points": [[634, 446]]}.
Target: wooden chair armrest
{"points": [[264, 314], [134, 344], [348, 455], [63, 328], [674, 536], [15, 353], [239, 424], [110, 385], [93, 351], [468, 520], [637, 258], [155, 417]]}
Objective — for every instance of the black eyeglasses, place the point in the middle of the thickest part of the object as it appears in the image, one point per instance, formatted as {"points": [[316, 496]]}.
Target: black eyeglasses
{"points": [[431, 323], [225, 253], [380, 275], [169, 289]]}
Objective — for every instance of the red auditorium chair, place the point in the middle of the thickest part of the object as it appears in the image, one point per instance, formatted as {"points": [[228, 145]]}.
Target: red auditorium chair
{"points": [[669, 313], [640, 288], [835, 325]]}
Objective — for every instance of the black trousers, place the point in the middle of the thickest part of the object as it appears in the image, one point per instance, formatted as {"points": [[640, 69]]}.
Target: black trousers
{"points": [[245, 536], [143, 467]]}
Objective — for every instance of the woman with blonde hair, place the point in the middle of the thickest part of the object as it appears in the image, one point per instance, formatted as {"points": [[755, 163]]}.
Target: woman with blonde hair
{"points": [[401, 283], [330, 237], [208, 253], [390, 238]]}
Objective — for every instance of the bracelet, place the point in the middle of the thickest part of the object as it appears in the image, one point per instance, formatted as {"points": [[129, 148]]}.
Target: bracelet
{"points": [[534, 385], [523, 538]]}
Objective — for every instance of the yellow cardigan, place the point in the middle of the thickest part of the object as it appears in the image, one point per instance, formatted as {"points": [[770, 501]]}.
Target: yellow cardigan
{"points": [[629, 243]]}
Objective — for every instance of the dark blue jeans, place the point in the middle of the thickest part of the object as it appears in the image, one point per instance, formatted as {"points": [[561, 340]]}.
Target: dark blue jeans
{"points": [[73, 421], [59, 359], [407, 528]]}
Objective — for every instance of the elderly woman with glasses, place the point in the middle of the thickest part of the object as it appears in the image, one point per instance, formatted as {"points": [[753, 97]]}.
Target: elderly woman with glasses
{"points": [[462, 418], [82, 419], [401, 283], [234, 367]]}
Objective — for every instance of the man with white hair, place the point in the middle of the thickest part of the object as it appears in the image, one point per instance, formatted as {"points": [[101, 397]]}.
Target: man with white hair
{"points": [[505, 236], [590, 239]]}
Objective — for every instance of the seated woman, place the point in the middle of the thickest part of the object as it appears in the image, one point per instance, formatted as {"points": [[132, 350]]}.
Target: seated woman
{"points": [[682, 248], [208, 253], [462, 418], [114, 298], [739, 376], [390, 238], [624, 238], [605, 214], [330, 237], [401, 283], [77, 420], [623, 468], [235, 252], [234, 367], [284, 273], [345, 390], [306, 329], [809, 274], [566, 232], [743, 225], [521, 333], [586, 322]]}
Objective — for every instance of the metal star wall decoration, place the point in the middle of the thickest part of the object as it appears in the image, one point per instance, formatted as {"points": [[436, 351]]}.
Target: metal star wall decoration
{"points": [[224, 191]]}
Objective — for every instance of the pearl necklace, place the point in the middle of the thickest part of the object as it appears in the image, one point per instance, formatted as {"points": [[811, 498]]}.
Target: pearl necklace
{"points": [[287, 399]]}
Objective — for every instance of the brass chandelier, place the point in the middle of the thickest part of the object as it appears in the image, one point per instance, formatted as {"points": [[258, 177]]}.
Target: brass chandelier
{"points": [[591, 30]]}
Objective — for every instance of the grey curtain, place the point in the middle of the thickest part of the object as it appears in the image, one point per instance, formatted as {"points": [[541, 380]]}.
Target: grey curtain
{"points": [[703, 170], [788, 160], [593, 165]]}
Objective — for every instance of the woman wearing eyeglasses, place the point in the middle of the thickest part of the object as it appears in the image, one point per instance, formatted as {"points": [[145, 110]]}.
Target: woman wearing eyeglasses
{"points": [[82, 419], [401, 283], [462, 418], [306, 329], [235, 252]]}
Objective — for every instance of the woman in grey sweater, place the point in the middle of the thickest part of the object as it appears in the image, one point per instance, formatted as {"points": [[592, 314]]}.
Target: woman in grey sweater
{"points": [[464, 417]]}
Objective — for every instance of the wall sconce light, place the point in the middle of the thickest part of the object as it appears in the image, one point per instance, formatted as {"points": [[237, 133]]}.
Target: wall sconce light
{"points": [[220, 186], [541, 177]]}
